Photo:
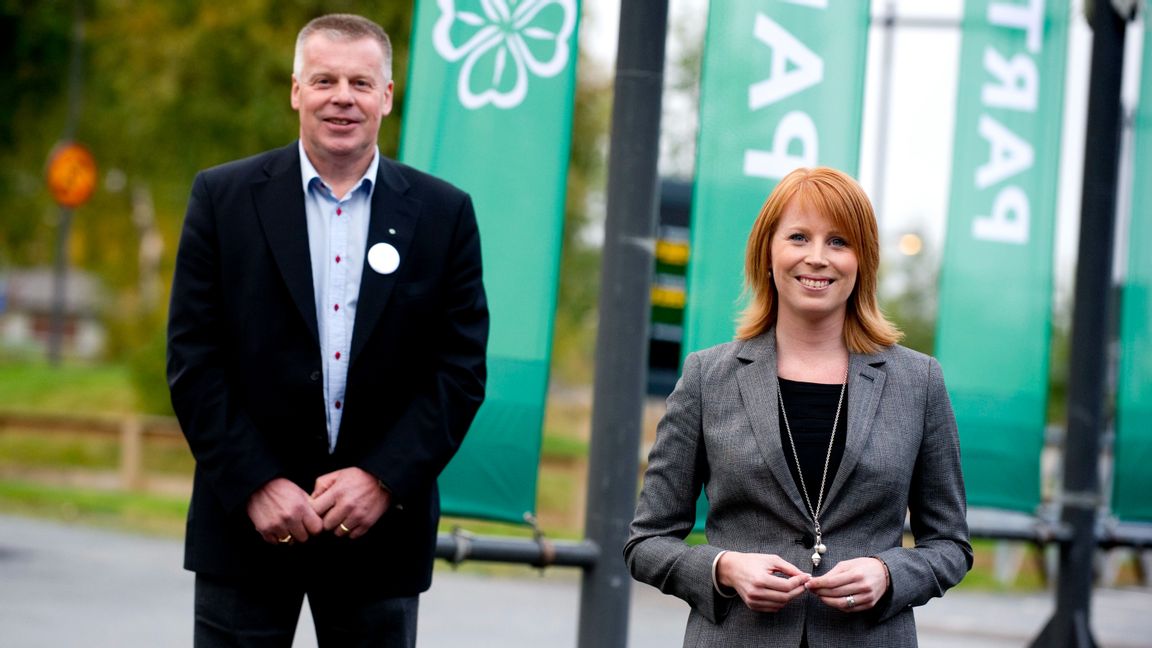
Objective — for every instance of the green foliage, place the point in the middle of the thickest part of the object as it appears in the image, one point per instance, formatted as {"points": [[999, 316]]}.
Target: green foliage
{"points": [[38, 387], [35, 450], [910, 299], [35, 38], [562, 446], [155, 514], [147, 366], [575, 328]]}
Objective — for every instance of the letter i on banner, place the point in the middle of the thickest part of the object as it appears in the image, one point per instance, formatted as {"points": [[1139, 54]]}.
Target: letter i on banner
{"points": [[994, 322], [489, 108], [782, 86]]}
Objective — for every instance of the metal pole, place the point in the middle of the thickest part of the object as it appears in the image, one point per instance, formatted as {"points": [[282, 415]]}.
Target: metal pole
{"points": [[459, 547], [59, 288], [60, 269], [885, 109], [622, 340], [1091, 331]]}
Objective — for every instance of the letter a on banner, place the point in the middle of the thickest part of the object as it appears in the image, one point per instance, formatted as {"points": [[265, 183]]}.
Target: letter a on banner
{"points": [[489, 108], [994, 323], [782, 86]]}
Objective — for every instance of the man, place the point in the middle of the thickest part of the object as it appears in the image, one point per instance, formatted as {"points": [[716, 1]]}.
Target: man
{"points": [[326, 346]]}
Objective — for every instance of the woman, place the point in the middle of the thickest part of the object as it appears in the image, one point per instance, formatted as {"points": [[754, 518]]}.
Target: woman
{"points": [[812, 434]]}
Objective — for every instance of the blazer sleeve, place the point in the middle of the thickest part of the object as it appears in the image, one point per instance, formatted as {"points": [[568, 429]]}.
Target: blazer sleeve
{"points": [[226, 445], [656, 551], [410, 457], [937, 509]]}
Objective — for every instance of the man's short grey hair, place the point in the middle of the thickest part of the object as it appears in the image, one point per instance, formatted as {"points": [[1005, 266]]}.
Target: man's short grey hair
{"points": [[344, 27]]}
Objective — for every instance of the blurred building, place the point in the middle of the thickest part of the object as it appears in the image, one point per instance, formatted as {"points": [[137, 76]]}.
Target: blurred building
{"points": [[26, 304]]}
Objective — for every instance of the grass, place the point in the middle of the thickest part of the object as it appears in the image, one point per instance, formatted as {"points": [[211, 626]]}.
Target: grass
{"points": [[139, 512], [92, 389]]}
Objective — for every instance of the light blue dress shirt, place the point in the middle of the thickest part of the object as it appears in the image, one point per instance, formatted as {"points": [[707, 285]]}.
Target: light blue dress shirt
{"points": [[338, 241]]}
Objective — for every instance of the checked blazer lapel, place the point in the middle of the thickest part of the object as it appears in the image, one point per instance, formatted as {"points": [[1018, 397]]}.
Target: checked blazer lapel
{"points": [[393, 221], [759, 392], [865, 385], [279, 204]]}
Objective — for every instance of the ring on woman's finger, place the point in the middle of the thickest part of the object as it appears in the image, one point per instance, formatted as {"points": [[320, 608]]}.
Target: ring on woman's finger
{"points": [[849, 602], [286, 539], [344, 528]]}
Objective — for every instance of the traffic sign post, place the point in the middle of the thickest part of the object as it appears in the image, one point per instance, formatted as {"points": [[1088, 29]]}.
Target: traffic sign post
{"points": [[71, 178]]}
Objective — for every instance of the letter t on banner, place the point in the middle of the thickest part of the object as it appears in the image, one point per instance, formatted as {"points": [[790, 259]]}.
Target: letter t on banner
{"points": [[489, 108]]}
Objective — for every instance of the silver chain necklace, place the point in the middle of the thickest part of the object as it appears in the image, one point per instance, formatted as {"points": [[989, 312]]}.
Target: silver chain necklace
{"points": [[818, 549]]}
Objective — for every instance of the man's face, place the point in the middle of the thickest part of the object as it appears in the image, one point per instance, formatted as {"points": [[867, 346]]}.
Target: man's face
{"points": [[342, 96]]}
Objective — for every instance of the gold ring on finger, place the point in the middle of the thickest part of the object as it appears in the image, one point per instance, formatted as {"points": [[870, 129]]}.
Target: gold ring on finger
{"points": [[286, 539], [344, 528]]}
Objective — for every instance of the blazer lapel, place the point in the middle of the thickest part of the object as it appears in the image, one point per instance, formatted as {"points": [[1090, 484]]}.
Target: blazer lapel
{"points": [[759, 392], [865, 385], [279, 203], [393, 221]]}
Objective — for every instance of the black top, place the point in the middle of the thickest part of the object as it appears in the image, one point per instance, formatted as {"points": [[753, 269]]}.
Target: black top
{"points": [[811, 408]]}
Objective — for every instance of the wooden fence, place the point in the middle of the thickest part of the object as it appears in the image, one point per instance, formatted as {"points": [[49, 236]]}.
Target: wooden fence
{"points": [[132, 431]]}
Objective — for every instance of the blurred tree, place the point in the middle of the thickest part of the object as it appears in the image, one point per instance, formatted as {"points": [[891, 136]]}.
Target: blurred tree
{"points": [[35, 45], [575, 328], [908, 297]]}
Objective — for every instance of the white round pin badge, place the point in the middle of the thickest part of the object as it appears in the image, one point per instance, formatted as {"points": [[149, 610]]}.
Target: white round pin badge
{"points": [[383, 258]]}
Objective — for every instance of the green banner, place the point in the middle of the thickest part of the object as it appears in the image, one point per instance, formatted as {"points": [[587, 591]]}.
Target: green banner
{"points": [[489, 108], [1132, 487], [994, 322], [782, 86]]}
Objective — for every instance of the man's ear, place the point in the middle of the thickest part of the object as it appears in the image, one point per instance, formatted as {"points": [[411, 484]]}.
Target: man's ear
{"points": [[389, 93]]}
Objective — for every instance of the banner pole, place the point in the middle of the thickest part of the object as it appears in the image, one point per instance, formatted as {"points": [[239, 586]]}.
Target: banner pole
{"points": [[621, 344], [1070, 624]]}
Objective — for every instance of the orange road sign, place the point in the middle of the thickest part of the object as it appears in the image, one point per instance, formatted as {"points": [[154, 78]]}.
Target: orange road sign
{"points": [[71, 174]]}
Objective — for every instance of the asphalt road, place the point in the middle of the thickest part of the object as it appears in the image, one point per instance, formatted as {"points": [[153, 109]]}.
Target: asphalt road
{"points": [[65, 585]]}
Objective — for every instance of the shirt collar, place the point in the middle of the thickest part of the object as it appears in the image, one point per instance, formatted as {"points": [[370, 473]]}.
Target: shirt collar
{"points": [[308, 172]]}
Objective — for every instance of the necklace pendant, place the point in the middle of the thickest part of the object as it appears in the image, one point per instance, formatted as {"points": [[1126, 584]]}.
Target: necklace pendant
{"points": [[818, 550]]}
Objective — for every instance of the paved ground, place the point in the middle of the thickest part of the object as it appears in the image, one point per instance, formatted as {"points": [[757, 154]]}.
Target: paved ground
{"points": [[64, 585]]}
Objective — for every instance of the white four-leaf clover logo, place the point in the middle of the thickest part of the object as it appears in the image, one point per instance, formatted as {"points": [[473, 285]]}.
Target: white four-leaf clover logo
{"points": [[501, 42]]}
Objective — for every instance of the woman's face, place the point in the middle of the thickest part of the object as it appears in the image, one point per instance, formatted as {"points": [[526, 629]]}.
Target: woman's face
{"points": [[813, 266]]}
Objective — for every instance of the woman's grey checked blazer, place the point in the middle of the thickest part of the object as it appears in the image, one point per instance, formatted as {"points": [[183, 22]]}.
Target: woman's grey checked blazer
{"points": [[722, 432]]}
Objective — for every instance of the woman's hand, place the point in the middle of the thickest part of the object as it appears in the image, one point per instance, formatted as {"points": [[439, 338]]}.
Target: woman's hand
{"points": [[765, 582], [852, 585]]}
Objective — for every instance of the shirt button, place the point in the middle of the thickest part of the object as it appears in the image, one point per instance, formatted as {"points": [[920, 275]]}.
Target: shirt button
{"points": [[339, 211], [337, 404], [314, 376], [337, 258], [337, 355], [336, 307]]}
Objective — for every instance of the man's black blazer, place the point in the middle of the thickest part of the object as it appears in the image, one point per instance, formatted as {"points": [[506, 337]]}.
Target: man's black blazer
{"points": [[244, 365]]}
